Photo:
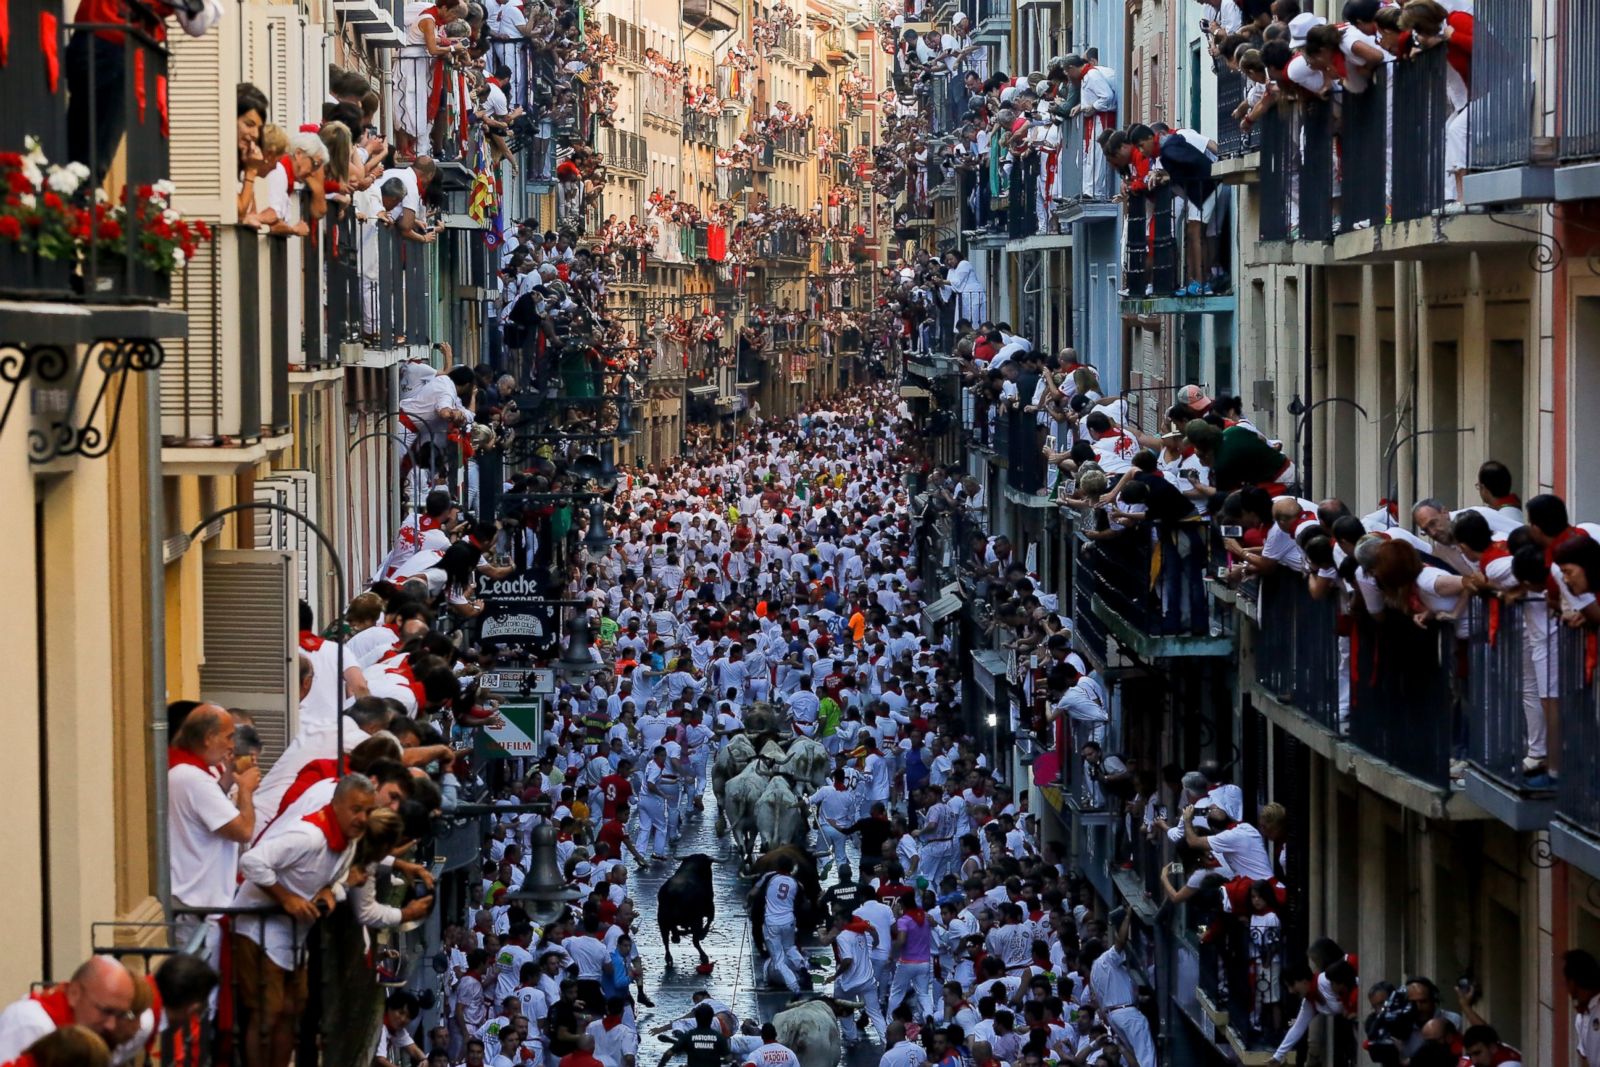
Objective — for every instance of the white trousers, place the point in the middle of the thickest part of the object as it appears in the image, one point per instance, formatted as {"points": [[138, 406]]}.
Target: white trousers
{"points": [[834, 841], [913, 978], [873, 999], [653, 825], [1134, 1031], [784, 959]]}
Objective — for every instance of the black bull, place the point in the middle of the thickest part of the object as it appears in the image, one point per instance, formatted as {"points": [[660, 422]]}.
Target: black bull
{"points": [[686, 904]]}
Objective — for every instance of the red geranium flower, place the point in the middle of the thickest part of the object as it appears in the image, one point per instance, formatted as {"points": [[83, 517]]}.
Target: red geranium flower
{"points": [[10, 227]]}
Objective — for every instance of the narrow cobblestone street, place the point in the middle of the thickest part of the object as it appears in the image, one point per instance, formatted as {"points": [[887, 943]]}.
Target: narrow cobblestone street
{"points": [[735, 977]]}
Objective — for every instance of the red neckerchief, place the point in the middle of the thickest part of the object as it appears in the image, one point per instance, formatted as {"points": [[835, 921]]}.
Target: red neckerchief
{"points": [[1510, 500], [318, 770], [54, 1003], [323, 819], [177, 757], [286, 161], [611, 1022], [310, 642], [1497, 550]]}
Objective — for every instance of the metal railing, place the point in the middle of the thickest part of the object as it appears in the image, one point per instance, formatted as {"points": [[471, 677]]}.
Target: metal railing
{"points": [[661, 98], [699, 127], [1578, 794], [1402, 694], [1417, 176], [1152, 576], [794, 142], [993, 9], [1231, 140], [1297, 167], [1497, 705], [1500, 121], [41, 103], [1364, 135], [732, 182], [626, 151], [1088, 631], [1578, 86], [1297, 647], [1150, 255]]}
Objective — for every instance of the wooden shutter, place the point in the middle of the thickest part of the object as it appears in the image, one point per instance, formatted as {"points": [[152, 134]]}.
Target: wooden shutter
{"points": [[202, 71], [274, 530], [248, 633]]}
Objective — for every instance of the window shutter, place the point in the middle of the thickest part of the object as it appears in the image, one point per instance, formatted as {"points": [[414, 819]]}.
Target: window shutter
{"points": [[204, 162], [296, 489], [251, 658], [274, 60]]}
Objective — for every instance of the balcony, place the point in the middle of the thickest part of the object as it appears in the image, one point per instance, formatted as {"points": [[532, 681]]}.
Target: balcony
{"points": [[1512, 163], [1497, 711], [784, 245], [1237, 150], [1379, 196], [626, 152], [1148, 591], [735, 88], [834, 49], [1377, 698], [101, 287], [732, 182], [1154, 259], [795, 143], [1575, 833], [993, 24], [661, 100], [715, 15], [700, 128]]}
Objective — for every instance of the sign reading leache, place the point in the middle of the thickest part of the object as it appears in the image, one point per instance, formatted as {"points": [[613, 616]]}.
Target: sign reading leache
{"points": [[516, 730], [517, 616]]}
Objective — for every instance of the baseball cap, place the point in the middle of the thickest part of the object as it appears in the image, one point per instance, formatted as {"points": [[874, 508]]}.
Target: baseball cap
{"points": [[1194, 398]]}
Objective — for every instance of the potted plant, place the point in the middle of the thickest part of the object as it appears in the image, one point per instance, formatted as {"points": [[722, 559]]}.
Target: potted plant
{"points": [[40, 223], [139, 243]]}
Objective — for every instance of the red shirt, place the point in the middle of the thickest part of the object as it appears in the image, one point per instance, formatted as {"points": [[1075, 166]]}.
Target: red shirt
{"points": [[617, 793], [580, 1059], [612, 833]]}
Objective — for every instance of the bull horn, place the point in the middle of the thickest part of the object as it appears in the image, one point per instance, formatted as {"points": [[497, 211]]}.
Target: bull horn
{"points": [[846, 1005]]}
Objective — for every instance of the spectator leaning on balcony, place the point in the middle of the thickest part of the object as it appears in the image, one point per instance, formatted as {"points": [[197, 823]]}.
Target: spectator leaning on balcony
{"points": [[1280, 549], [406, 214], [306, 154], [300, 871], [1432, 25], [206, 826], [1494, 489], [1238, 456], [1183, 158], [1097, 110]]}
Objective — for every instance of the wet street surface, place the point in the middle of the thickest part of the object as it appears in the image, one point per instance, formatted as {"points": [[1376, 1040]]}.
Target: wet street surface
{"points": [[735, 978]]}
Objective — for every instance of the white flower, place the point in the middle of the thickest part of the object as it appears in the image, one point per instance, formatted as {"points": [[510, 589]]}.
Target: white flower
{"points": [[164, 189], [31, 171], [34, 153], [171, 217], [63, 180], [28, 200], [177, 259], [102, 197], [78, 170]]}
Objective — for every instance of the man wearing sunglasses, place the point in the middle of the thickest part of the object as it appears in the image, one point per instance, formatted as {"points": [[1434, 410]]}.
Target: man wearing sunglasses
{"points": [[98, 996]]}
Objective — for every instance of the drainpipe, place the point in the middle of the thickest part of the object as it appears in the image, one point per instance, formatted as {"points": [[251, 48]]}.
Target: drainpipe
{"points": [[156, 564]]}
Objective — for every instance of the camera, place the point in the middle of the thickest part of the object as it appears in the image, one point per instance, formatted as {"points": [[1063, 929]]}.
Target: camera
{"points": [[1389, 1028]]}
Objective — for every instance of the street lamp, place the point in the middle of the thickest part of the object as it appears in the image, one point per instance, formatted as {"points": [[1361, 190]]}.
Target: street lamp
{"points": [[545, 893], [575, 661]]}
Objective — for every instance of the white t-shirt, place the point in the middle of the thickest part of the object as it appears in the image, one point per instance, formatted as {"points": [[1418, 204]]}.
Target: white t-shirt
{"points": [[1243, 850], [781, 893], [413, 196], [610, 1046], [204, 863], [1282, 549]]}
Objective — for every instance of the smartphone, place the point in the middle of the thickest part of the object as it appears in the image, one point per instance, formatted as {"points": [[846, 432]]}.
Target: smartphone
{"points": [[1234, 532]]}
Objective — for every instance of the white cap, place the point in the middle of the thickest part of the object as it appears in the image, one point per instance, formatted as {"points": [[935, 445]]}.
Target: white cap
{"points": [[1301, 25]]}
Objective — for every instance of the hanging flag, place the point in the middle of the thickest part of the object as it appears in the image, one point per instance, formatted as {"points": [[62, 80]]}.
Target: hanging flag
{"points": [[481, 202]]}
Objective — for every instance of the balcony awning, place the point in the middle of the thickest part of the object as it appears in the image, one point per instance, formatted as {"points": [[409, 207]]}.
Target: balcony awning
{"points": [[988, 666], [703, 392], [915, 392], [942, 608]]}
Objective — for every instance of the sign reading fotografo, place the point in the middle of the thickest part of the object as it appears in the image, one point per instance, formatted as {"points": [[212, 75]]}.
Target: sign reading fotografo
{"points": [[516, 730], [517, 616]]}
